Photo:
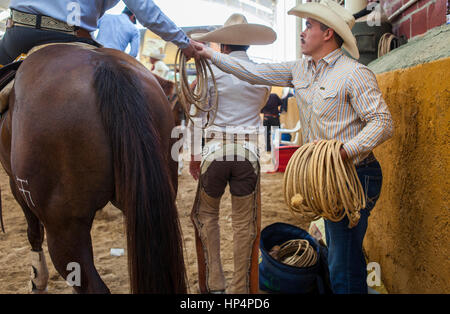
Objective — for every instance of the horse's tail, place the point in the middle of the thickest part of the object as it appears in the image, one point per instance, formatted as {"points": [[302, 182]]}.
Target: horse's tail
{"points": [[142, 184]]}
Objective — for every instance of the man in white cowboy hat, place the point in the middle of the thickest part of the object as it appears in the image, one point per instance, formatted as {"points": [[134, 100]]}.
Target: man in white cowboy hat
{"points": [[338, 99], [158, 66], [230, 156]]}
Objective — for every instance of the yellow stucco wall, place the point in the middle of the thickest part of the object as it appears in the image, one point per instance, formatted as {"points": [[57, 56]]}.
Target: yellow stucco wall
{"points": [[409, 233]]}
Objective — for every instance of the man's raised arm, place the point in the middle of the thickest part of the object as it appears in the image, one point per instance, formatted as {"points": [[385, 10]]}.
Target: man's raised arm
{"points": [[151, 16], [272, 74]]}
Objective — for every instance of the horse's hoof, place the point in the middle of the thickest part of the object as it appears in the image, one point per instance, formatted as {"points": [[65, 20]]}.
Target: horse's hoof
{"points": [[33, 290]]}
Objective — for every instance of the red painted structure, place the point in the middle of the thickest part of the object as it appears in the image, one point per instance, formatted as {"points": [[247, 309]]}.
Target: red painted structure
{"points": [[420, 17]]}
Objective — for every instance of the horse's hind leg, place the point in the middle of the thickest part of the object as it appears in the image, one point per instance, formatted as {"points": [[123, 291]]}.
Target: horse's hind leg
{"points": [[35, 231], [71, 251]]}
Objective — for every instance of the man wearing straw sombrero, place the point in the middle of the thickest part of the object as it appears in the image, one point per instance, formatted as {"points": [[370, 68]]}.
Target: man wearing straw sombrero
{"points": [[158, 66], [230, 156], [338, 99]]}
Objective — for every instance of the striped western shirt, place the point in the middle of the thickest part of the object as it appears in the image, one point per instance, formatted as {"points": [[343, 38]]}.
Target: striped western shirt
{"points": [[338, 98]]}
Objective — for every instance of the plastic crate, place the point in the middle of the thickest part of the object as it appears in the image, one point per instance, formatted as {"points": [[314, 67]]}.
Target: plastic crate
{"points": [[283, 155]]}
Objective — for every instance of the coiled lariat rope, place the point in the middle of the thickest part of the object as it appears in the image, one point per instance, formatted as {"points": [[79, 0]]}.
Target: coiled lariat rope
{"points": [[385, 43], [199, 97], [318, 183], [297, 252]]}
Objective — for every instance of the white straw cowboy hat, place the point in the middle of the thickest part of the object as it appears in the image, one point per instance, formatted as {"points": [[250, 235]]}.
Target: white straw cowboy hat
{"points": [[334, 16], [157, 54], [237, 31]]}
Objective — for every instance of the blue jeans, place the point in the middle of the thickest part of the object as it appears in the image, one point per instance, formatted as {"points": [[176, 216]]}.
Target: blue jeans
{"points": [[346, 262]]}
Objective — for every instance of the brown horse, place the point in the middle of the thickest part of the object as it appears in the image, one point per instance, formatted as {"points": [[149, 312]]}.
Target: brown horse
{"points": [[178, 115], [177, 109], [174, 101], [86, 127]]}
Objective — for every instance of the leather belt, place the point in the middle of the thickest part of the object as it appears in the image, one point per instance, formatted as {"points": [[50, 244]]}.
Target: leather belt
{"points": [[231, 137], [43, 22], [369, 159]]}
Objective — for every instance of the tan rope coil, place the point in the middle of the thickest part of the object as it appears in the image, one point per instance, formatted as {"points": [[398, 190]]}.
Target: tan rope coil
{"points": [[199, 97], [318, 183], [297, 252], [384, 45]]}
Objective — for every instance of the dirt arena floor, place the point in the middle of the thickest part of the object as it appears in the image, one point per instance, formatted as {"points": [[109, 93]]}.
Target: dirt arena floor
{"points": [[108, 232]]}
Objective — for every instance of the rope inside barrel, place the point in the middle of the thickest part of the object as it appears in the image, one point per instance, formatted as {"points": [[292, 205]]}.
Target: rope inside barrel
{"points": [[296, 252], [199, 97], [318, 183]]}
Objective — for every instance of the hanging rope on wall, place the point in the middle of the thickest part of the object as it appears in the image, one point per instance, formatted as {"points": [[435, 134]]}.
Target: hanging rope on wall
{"points": [[385, 44]]}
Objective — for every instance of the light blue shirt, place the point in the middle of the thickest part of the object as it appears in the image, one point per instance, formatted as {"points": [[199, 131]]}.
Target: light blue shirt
{"points": [[117, 31], [146, 11]]}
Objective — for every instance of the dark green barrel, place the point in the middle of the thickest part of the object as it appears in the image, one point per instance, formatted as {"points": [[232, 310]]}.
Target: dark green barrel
{"points": [[367, 38]]}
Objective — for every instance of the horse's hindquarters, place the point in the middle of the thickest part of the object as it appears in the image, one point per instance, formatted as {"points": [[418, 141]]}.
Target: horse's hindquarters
{"points": [[87, 127], [59, 146], [61, 164]]}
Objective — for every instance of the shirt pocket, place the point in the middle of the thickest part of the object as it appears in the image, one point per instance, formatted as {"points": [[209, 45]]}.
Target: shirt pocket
{"points": [[326, 103], [300, 85]]}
